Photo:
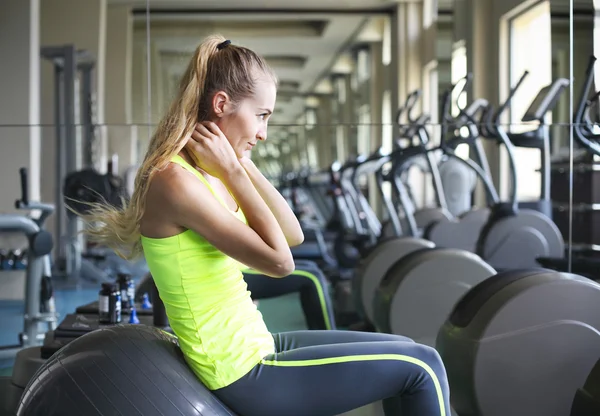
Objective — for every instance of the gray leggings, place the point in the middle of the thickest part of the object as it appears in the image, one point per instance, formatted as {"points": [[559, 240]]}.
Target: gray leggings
{"points": [[325, 373]]}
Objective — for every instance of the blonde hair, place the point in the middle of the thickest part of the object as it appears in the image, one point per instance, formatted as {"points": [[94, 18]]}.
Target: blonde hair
{"points": [[230, 68]]}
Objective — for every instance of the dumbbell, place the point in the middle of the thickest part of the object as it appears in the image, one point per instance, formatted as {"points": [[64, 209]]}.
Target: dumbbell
{"points": [[13, 259], [19, 259], [6, 259]]}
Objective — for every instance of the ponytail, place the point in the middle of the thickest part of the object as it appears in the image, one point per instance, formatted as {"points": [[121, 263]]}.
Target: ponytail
{"points": [[215, 65]]}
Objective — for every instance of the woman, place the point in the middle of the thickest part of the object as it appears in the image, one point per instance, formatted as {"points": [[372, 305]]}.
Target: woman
{"points": [[201, 211]]}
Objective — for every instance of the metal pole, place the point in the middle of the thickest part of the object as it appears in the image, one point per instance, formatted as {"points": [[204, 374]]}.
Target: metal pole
{"points": [[73, 258], [571, 147], [60, 158], [88, 147]]}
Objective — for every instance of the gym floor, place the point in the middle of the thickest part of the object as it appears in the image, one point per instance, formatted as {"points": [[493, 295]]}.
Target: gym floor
{"points": [[281, 314]]}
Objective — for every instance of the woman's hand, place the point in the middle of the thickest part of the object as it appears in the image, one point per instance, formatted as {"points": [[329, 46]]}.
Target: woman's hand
{"points": [[246, 162], [211, 150]]}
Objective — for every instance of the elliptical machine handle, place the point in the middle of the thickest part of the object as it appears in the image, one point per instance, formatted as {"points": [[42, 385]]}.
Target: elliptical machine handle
{"points": [[411, 101], [587, 140], [446, 105], [24, 191], [468, 79], [511, 94]]}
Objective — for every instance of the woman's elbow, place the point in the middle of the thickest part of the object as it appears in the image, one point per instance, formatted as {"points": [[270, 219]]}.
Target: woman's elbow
{"points": [[296, 239], [283, 268]]}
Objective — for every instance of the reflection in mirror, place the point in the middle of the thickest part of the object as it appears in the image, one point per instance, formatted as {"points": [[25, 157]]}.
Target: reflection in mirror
{"points": [[317, 84], [84, 87], [449, 121], [570, 56]]}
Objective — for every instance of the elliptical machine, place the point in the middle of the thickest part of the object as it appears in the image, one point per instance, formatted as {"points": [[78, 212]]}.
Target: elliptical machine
{"points": [[427, 162], [514, 238], [39, 296], [401, 274], [525, 341], [462, 232], [413, 272]]}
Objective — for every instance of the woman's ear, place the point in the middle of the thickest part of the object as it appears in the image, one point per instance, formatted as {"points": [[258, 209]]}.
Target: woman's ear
{"points": [[221, 104]]}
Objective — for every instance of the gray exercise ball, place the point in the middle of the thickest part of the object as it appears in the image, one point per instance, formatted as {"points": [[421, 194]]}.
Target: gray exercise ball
{"points": [[127, 369]]}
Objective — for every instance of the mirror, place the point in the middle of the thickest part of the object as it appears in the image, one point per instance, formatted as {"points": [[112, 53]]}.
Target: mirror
{"points": [[574, 174], [67, 107]]}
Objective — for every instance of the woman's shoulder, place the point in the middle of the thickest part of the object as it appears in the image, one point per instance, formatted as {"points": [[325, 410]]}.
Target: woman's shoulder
{"points": [[167, 183], [163, 200]]}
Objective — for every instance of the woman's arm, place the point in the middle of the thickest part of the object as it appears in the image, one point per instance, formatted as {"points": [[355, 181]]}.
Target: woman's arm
{"points": [[277, 204], [260, 245]]}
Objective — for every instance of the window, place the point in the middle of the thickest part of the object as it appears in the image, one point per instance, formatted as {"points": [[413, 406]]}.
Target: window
{"points": [[386, 43], [311, 118], [430, 93], [458, 71], [340, 141], [387, 133], [430, 89], [364, 130], [388, 125], [363, 70], [430, 8], [530, 49], [313, 159], [340, 86]]}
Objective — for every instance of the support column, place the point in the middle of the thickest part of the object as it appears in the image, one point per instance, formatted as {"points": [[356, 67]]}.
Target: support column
{"points": [[122, 139], [376, 93], [146, 123], [406, 65], [477, 27], [19, 101], [325, 134], [483, 60], [139, 112], [158, 87], [339, 117], [414, 49], [350, 136]]}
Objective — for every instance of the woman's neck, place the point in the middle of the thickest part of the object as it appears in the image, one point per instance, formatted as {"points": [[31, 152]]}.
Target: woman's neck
{"points": [[184, 153]]}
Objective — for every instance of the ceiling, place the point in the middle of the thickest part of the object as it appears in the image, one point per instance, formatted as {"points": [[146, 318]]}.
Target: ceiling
{"points": [[293, 5], [301, 48], [301, 40]]}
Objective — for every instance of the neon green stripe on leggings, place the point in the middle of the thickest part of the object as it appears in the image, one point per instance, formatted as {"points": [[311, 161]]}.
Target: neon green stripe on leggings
{"points": [[352, 358], [315, 280]]}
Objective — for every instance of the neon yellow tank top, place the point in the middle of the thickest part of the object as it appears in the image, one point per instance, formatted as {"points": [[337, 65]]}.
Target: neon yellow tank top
{"points": [[221, 333]]}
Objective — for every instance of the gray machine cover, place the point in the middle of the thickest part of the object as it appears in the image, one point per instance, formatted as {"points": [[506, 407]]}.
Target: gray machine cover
{"points": [[372, 269], [462, 232], [419, 292], [587, 398], [521, 343], [515, 242]]}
